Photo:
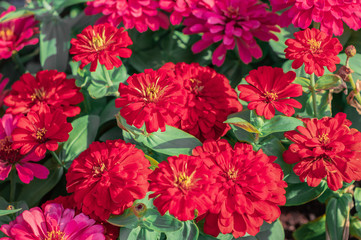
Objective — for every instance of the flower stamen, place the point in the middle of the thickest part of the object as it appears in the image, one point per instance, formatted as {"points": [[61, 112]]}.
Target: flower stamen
{"points": [[314, 45], [40, 133], [55, 235], [270, 96]]}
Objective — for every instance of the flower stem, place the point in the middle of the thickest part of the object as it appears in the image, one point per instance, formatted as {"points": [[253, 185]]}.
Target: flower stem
{"points": [[12, 185], [57, 158], [18, 62], [357, 93], [106, 72], [313, 90]]}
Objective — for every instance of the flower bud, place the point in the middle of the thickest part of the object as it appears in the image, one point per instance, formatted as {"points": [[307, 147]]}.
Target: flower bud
{"points": [[350, 51]]}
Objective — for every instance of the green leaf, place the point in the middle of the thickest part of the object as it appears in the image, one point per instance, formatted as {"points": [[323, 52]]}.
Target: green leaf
{"points": [[275, 232], [153, 162], [172, 142], [127, 219], [54, 43], [272, 146], [98, 85], [279, 124], [37, 188], [279, 46], [323, 104], [300, 72], [83, 133], [304, 82], [7, 212], [241, 123], [68, 3], [108, 112], [166, 223], [357, 197], [189, 231], [16, 14], [338, 217], [300, 193], [328, 81], [138, 233], [355, 227], [146, 59], [314, 230]]}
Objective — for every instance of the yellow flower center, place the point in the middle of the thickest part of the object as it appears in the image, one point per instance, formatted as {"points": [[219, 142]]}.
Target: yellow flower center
{"points": [[40, 133], [323, 138], [6, 34], [98, 169], [55, 235], [314, 45], [232, 173], [98, 42], [270, 96], [184, 181], [232, 12], [38, 94], [196, 84]]}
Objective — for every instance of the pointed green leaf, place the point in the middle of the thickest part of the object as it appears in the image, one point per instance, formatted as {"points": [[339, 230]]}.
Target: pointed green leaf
{"points": [[300, 193], [314, 230], [279, 124], [189, 231], [328, 81]]}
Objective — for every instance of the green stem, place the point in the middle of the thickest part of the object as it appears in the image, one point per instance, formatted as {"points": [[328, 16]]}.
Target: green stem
{"points": [[110, 83], [314, 100], [18, 62], [57, 158], [12, 185], [357, 94]]}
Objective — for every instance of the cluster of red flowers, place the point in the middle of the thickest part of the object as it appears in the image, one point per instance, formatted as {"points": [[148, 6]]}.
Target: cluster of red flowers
{"points": [[234, 189], [187, 96], [38, 108]]}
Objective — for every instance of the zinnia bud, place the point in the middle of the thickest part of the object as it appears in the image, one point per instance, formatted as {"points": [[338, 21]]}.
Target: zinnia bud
{"points": [[350, 51]]}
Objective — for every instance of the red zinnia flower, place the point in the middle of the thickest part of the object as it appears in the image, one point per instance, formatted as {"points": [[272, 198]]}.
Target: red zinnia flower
{"points": [[231, 22], [16, 33], [153, 98], [210, 100], [102, 42], [53, 222], [40, 131], [325, 148], [132, 13], [249, 187], [181, 186], [330, 14], [107, 178], [270, 88], [315, 49], [11, 159], [49, 87]]}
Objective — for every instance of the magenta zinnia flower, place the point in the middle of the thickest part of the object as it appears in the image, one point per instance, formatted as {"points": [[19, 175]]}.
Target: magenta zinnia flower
{"points": [[178, 9], [10, 158], [269, 89], [330, 14], [132, 13], [16, 33], [231, 22], [53, 222]]}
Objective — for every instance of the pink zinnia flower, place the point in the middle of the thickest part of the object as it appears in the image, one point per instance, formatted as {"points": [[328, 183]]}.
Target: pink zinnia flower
{"points": [[16, 33], [330, 14], [132, 13], [178, 9], [231, 22], [10, 157], [53, 222]]}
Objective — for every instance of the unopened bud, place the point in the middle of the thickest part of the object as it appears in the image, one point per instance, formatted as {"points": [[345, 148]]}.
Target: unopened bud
{"points": [[350, 51]]}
